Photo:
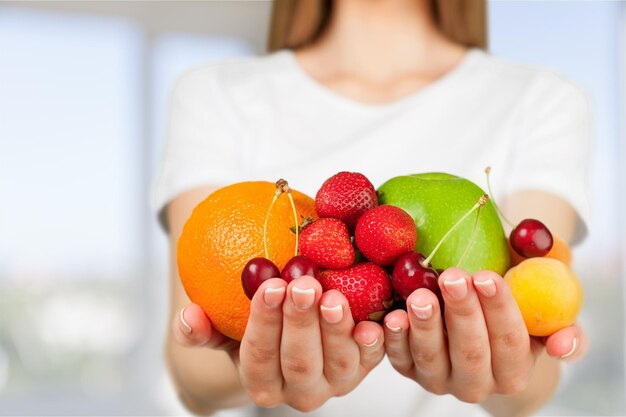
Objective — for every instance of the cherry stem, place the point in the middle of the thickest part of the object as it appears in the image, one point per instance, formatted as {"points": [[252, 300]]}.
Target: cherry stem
{"points": [[481, 202], [487, 172], [295, 213], [277, 194], [471, 241]]}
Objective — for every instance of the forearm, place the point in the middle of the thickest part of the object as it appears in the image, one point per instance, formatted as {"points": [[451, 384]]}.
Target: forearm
{"points": [[541, 387], [206, 379]]}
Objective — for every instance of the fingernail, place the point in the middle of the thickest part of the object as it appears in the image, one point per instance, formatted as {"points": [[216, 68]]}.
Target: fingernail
{"points": [[370, 344], [274, 296], [571, 352], [303, 299], [423, 313], [456, 288], [394, 329], [186, 328], [332, 314], [486, 288]]}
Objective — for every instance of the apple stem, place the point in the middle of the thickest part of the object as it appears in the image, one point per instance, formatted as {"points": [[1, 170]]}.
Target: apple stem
{"points": [[487, 172], [481, 202], [471, 241], [277, 193]]}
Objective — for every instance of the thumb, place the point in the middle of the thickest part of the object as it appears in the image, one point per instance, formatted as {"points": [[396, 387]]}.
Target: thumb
{"points": [[192, 327], [569, 344]]}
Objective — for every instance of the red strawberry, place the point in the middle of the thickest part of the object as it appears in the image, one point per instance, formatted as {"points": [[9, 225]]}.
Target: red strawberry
{"points": [[384, 233], [346, 196], [366, 286], [327, 243]]}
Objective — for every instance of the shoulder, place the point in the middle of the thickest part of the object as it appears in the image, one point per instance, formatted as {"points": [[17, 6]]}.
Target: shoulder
{"points": [[231, 75], [532, 85]]}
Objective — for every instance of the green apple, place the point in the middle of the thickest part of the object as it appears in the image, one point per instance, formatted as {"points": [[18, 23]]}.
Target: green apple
{"points": [[437, 201]]}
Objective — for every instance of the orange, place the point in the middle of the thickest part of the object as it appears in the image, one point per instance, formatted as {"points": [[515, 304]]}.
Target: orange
{"points": [[516, 258], [547, 292], [222, 234], [560, 250]]}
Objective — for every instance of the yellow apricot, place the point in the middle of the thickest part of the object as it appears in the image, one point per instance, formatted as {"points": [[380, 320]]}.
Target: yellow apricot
{"points": [[547, 292]]}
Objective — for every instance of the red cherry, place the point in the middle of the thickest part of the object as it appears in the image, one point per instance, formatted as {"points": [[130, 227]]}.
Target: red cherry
{"points": [[531, 238], [298, 266], [409, 274], [257, 271]]}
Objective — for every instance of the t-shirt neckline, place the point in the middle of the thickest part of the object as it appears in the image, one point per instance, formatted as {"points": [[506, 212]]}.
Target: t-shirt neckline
{"points": [[458, 71]]}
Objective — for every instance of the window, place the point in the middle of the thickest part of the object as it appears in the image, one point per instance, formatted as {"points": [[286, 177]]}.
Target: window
{"points": [[549, 34], [82, 263]]}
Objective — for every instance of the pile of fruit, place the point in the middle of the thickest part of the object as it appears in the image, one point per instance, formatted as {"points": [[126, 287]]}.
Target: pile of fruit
{"points": [[374, 246]]}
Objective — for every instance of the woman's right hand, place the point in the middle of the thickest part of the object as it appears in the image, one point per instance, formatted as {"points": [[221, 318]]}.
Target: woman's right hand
{"points": [[300, 348]]}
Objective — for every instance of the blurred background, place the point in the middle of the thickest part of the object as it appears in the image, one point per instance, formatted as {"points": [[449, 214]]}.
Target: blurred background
{"points": [[83, 265]]}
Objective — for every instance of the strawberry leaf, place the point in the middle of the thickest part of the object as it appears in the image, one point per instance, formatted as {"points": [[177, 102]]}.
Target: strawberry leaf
{"points": [[376, 315], [306, 221]]}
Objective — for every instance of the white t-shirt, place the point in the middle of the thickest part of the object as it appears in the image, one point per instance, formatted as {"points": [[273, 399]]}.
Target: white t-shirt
{"points": [[265, 118]]}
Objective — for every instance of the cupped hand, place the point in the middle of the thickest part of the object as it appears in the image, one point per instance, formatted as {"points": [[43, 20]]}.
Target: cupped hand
{"points": [[483, 348], [300, 348]]}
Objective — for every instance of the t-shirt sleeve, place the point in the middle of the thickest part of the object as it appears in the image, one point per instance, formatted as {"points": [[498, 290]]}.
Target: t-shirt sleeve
{"points": [[552, 149], [201, 146]]}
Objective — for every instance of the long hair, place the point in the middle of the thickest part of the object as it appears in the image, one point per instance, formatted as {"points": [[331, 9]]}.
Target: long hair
{"points": [[298, 22]]}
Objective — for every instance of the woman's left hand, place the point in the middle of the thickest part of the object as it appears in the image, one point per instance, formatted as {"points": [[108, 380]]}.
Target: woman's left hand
{"points": [[484, 349]]}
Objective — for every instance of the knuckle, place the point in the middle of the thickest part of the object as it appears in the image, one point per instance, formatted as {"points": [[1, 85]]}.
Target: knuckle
{"points": [[473, 356], [472, 396], [260, 354], [342, 390], [513, 385], [423, 357], [513, 339], [434, 387], [462, 310], [342, 367], [372, 359], [298, 366], [264, 398], [499, 305], [404, 368], [300, 319], [305, 404]]}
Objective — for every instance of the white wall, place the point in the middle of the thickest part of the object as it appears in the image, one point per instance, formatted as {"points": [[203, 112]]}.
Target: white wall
{"points": [[582, 41]]}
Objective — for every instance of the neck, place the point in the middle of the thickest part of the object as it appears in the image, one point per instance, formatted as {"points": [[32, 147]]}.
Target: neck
{"points": [[382, 37]]}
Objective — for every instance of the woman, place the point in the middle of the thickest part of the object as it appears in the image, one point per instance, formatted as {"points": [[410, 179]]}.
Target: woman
{"points": [[384, 87]]}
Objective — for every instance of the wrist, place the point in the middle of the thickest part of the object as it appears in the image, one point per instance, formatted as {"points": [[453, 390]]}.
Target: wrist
{"points": [[541, 387], [207, 388]]}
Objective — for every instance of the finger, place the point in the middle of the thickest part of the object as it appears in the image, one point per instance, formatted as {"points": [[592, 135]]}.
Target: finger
{"points": [[301, 345], [341, 353], [427, 341], [569, 344], [370, 338], [397, 342], [511, 355], [192, 328], [468, 340], [260, 347]]}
